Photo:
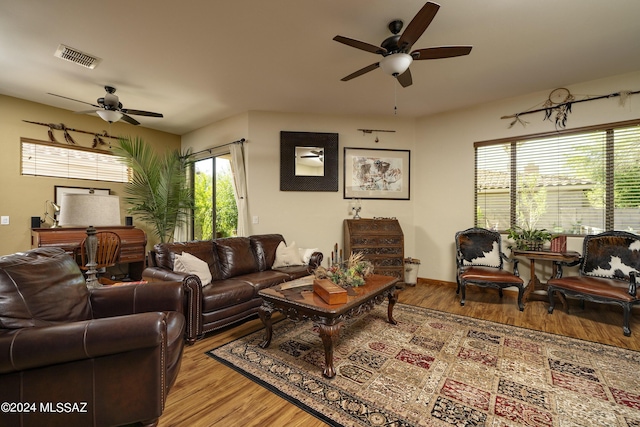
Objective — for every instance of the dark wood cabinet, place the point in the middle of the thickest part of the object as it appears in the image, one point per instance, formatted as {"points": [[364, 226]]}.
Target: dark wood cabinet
{"points": [[133, 243], [380, 240]]}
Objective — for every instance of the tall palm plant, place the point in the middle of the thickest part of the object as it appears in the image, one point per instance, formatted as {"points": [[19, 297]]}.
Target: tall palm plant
{"points": [[158, 192]]}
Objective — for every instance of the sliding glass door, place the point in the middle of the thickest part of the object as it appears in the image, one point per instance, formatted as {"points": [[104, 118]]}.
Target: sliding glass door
{"points": [[216, 212]]}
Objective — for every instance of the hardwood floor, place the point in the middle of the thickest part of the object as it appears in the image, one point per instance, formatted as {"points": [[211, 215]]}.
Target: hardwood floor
{"points": [[208, 393]]}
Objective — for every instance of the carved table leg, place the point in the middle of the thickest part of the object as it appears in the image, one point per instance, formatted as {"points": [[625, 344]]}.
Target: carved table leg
{"points": [[533, 284], [563, 299], [393, 298], [329, 335], [265, 311]]}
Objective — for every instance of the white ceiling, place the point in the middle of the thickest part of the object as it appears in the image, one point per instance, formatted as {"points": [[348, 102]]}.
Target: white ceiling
{"points": [[201, 61]]}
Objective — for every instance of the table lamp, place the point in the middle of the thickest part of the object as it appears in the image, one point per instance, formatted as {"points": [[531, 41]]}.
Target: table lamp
{"points": [[56, 211], [90, 210]]}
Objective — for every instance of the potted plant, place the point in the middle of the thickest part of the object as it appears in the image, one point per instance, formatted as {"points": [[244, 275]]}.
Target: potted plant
{"points": [[158, 192], [350, 273], [528, 239]]}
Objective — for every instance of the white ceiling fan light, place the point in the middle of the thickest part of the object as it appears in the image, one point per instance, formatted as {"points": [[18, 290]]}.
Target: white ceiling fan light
{"points": [[396, 64], [109, 115]]}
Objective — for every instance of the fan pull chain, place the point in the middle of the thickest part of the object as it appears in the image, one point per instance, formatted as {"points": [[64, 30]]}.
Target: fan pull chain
{"points": [[110, 123], [395, 98]]}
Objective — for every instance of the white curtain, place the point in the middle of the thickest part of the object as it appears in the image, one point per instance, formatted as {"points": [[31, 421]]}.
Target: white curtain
{"points": [[240, 187]]}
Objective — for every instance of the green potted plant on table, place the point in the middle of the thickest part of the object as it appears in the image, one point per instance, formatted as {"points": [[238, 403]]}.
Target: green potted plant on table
{"points": [[158, 192], [528, 239], [352, 273]]}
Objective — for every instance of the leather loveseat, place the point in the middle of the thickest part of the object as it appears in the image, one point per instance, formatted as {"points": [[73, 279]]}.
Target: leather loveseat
{"points": [[239, 267], [70, 356]]}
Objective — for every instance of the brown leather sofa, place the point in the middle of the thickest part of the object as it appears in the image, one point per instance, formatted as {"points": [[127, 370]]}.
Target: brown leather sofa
{"points": [[70, 356], [239, 266]]}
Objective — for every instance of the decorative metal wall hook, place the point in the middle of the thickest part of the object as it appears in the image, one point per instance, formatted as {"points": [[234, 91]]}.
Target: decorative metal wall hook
{"points": [[367, 131]]}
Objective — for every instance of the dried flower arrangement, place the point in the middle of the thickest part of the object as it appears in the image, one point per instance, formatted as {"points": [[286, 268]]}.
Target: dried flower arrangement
{"points": [[350, 273]]}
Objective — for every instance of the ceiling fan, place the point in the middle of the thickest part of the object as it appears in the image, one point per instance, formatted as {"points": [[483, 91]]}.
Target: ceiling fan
{"points": [[314, 154], [110, 109], [396, 49]]}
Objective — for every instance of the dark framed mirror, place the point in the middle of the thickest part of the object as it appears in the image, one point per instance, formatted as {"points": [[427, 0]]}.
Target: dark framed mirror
{"points": [[308, 161]]}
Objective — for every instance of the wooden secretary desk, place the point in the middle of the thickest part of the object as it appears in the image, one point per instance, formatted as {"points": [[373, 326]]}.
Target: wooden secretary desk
{"points": [[133, 243], [381, 241]]}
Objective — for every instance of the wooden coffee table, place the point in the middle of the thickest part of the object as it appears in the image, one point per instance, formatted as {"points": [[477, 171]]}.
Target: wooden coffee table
{"points": [[299, 303]]}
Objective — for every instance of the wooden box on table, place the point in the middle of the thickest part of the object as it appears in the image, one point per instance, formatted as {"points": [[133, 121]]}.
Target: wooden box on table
{"points": [[329, 291]]}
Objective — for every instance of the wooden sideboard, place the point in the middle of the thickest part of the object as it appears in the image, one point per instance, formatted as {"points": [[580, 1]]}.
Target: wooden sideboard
{"points": [[133, 243], [381, 241]]}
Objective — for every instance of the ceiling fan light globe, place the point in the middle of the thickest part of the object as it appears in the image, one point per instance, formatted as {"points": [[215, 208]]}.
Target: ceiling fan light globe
{"points": [[396, 64], [109, 115]]}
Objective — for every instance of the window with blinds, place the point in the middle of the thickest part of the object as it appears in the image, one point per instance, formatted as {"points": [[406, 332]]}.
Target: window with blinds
{"points": [[41, 158], [581, 181]]}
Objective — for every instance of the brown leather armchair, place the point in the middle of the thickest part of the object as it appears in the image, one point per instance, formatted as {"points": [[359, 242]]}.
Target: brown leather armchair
{"points": [[480, 261], [73, 356], [609, 268]]}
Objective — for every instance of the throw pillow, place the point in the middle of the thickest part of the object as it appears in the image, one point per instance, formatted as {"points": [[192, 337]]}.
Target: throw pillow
{"points": [[488, 259], [305, 254], [287, 256], [187, 263]]}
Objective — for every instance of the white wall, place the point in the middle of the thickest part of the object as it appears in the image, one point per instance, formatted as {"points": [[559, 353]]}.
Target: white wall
{"points": [[219, 133], [311, 219], [444, 188]]}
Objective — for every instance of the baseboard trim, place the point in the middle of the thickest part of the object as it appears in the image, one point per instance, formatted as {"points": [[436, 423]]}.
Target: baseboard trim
{"points": [[435, 282]]}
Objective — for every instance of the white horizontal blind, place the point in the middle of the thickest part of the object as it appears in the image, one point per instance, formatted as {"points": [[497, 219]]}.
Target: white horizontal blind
{"points": [[493, 186], [626, 178], [40, 158], [572, 182], [561, 184]]}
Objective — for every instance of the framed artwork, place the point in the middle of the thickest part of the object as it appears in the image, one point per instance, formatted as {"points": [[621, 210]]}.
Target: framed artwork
{"points": [[60, 190], [376, 173], [308, 161]]}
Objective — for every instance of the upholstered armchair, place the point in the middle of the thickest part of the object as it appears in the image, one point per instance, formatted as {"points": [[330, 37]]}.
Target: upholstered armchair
{"points": [[70, 356], [480, 261], [609, 266]]}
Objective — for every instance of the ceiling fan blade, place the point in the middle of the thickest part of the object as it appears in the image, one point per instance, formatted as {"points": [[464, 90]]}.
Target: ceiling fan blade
{"points": [[71, 99], [141, 113], [130, 120], [360, 45], [440, 52], [418, 24], [361, 72], [405, 78]]}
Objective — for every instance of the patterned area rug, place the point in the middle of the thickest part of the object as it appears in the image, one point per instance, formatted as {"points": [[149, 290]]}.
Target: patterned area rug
{"points": [[440, 369]]}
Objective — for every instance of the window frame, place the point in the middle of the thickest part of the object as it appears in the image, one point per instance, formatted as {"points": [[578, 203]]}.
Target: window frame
{"points": [[609, 203], [78, 174], [223, 152]]}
